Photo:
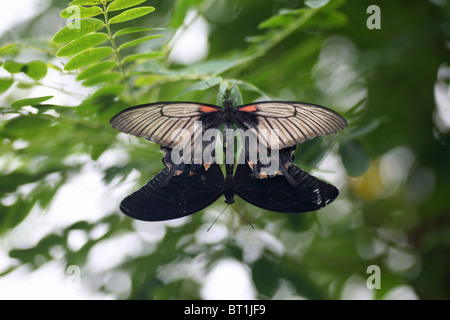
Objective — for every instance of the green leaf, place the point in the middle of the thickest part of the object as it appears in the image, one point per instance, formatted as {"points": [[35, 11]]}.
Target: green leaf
{"points": [[280, 20], [229, 90], [131, 14], [79, 12], [364, 129], [357, 109], [81, 44], [23, 85], [149, 80], [30, 101], [216, 66], [13, 67], [179, 11], [77, 29], [35, 70], [202, 85], [335, 19], [354, 158], [5, 83], [97, 149], [27, 127], [7, 48], [223, 87], [88, 57], [123, 4], [13, 215], [138, 41], [54, 66], [328, 20], [138, 56], [250, 87], [235, 95], [134, 30], [107, 77], [96, 69], [86, 2], [108, 91]]}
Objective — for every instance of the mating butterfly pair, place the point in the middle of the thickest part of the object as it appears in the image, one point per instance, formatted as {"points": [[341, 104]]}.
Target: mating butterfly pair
{"points": [[182, 189]]}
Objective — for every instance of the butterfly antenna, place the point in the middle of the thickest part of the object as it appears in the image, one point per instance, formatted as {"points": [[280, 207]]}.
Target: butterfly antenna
{"points": [[216, 219], [223, 93], [251, 225], [214, 87], [235, 83]]}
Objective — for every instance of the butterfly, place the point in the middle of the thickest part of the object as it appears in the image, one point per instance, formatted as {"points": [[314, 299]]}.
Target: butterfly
{"points": [[185, 194], [275, 125]]}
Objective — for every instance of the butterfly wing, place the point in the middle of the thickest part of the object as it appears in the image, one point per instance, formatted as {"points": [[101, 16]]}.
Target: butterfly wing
{"points": [[268, 163], [183, 195], [277, 194], [279, 124], [167, 123]]}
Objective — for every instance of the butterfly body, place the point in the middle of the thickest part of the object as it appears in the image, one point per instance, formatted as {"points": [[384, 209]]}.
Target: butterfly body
{"points": [[228, 190]]}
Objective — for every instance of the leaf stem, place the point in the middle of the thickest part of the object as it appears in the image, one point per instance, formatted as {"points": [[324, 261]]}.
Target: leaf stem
{"points": [[116, 52], [49, 51], [278, 37]]}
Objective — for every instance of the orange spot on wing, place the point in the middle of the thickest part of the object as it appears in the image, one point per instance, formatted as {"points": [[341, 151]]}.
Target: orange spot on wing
{"points": [[207, 109], [251, 108], [262, 175]]}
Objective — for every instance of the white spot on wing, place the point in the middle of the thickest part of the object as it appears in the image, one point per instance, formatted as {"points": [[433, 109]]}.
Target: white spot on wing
{"points": [[319, 197]]}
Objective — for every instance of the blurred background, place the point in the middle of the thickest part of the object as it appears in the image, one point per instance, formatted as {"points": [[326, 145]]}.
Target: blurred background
{"points": [[64, 170]]}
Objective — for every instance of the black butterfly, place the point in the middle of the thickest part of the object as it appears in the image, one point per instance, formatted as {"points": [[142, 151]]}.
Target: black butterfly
{"points": [[295, 123], [184, 194]]}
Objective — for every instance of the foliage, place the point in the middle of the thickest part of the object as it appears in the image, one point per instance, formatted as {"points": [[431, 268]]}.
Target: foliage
{"points": [[390, 167]]}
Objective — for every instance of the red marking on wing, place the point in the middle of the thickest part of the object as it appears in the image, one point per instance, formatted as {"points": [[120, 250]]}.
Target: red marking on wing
{"points": [[208, 109], [251, 108]]}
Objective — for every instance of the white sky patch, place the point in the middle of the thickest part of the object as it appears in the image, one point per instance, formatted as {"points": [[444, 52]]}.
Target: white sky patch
{"points": [[442, 99], [399, 260], [254, 242], [50, 282], [331, 170], [18, 11], [395, 167], [234, 280], [217, 234], [110, 253], [190, 45], [82, 198], [336, 73], [355, 288], [402, 292], [77, 239]]}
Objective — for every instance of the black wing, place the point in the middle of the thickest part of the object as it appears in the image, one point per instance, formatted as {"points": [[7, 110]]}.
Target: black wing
{"points": [[277, 194], [182, 196], [293, 122], [160, 121], [268, 163]]}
